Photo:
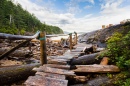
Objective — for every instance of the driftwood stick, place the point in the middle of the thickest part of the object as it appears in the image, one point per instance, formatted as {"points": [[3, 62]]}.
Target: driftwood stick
{"points": [[13, 49], [18, 37]]}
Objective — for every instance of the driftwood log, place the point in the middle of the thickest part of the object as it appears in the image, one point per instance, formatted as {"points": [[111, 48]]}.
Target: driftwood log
{"points": [[83, 60], [18, 37], [96, 68], [13, 74]]}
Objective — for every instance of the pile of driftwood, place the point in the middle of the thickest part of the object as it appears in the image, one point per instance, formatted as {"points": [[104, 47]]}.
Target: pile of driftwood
{"points": [[80, 70]]}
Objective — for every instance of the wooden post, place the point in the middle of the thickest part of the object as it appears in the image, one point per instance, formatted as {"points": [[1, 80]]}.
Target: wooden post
{"points": [[76, 37], [70, 36], [43, 48]]}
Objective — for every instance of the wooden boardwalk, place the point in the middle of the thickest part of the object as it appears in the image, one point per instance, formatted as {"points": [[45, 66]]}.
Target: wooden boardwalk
{"points": [[55, 74]]}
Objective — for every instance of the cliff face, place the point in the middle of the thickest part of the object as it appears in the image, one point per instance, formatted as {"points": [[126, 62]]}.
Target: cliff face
{"points": [[101, 36]]}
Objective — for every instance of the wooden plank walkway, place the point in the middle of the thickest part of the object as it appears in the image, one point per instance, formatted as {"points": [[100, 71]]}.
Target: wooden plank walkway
{"points": [[54, 74]]}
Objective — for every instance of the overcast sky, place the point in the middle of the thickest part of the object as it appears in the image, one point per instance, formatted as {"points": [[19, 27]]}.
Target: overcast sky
{"points": [[78, 15]]}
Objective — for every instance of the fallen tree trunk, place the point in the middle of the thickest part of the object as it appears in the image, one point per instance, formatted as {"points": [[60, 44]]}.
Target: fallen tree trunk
{"points": [[13, 74], [17, 53], [83, 60], [13, 49], [97, 68], [17, 37]]}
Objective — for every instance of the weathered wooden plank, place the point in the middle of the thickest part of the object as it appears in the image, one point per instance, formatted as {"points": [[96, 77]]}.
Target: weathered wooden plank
{"points": [[57, 61], [60, 57], [51, 75], [67, 67], [54, 70], [97, 68], [45, 81]]}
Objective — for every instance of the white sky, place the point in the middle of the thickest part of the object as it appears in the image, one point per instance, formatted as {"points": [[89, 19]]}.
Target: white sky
{"points": [[107, 12]]}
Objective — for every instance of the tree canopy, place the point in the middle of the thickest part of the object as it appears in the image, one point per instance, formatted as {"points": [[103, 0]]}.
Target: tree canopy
{"points": [[15, 20]]}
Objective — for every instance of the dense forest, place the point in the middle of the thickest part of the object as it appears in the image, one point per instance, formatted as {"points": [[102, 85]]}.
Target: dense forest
{"points": [[15, 20]]}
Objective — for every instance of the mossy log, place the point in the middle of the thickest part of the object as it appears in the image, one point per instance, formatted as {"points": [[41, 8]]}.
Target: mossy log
{"points": [[13, 74], [83, 60]]}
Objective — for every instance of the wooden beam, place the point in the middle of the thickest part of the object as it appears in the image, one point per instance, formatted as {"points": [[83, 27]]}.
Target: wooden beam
{"points": [[54, 70], [43, 48], [70, 40], [76, 37], [97, 68], [67, 67]]}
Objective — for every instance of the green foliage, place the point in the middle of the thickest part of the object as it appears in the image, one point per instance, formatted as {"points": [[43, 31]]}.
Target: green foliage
{"points": [[14, 18], [118, 50], [121, 79]]}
